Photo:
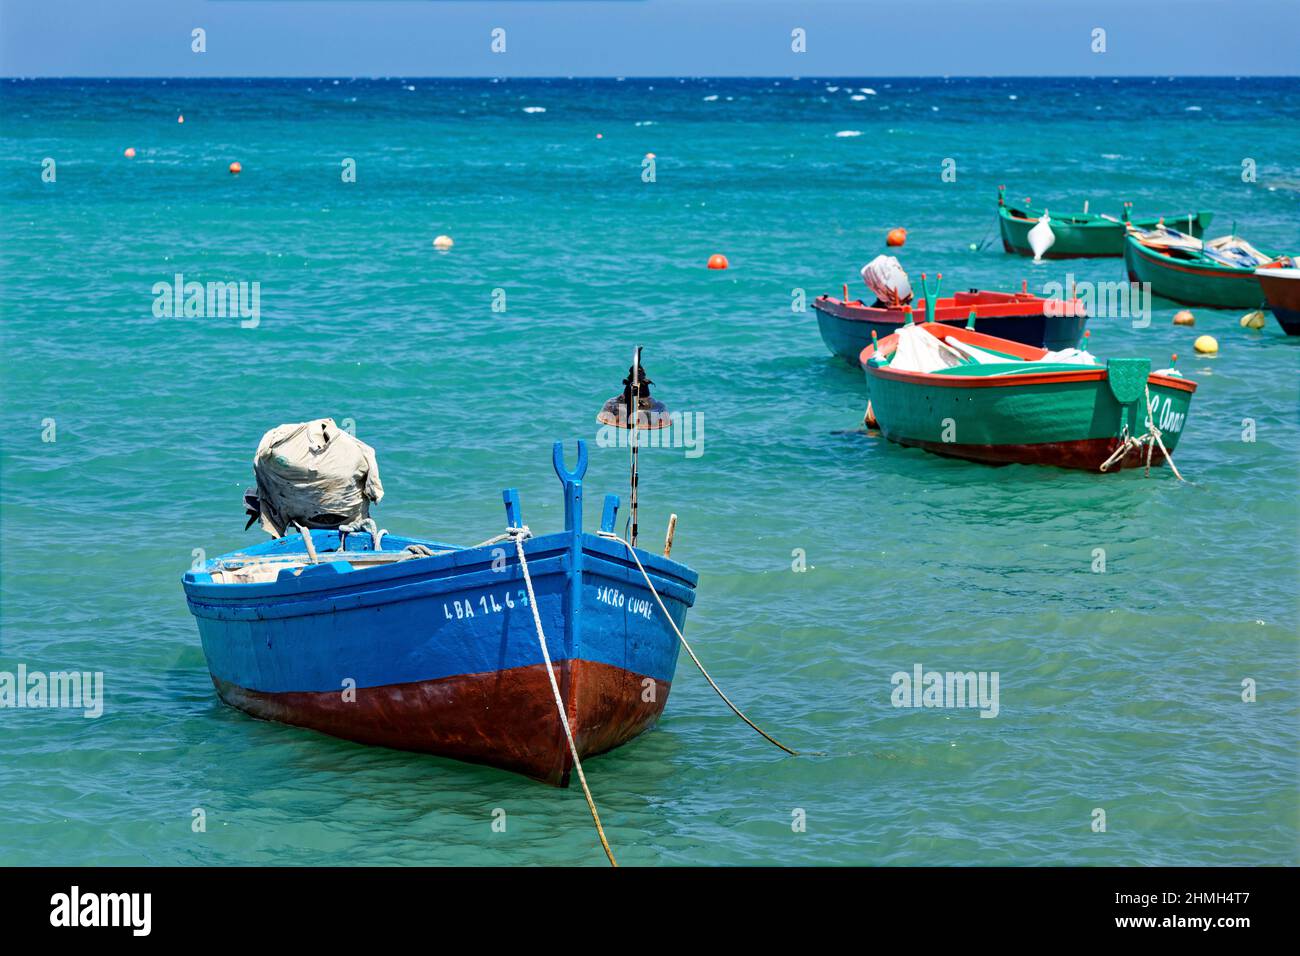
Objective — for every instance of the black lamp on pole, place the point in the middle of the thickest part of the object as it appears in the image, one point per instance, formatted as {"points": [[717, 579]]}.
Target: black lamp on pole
{"points": [[634, 410]]}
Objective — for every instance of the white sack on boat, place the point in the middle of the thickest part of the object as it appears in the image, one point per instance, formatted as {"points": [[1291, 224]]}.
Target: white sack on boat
{"points": [[919, 351], [884, 275], [1041, 238], [316, 474]]}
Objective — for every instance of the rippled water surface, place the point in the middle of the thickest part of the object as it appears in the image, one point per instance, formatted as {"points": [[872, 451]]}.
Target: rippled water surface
{"points": [[1119, 690]]}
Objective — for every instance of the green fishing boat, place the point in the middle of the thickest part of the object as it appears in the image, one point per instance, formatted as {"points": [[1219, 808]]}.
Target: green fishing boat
{"points": [[1082, 235], [1219, 273], [963, 394]]}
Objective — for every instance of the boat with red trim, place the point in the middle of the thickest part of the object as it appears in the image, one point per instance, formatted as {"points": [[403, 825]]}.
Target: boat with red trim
{"points": [[1220, 273], [419, 645], [963, 394], [847, 326], [1281, 288]]}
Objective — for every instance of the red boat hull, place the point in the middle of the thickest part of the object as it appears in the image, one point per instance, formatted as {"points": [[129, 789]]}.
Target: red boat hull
{"points": [[1282, 292], [505, 719], [1087, 454]]}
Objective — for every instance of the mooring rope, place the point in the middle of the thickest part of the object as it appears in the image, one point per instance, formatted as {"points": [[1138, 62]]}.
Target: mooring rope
{"points": [[1149, 441], [519, 534], [727, 700]]}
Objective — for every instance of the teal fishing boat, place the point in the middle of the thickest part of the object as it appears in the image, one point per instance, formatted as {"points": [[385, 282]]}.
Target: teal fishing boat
{"points": [[1220, 273], [959, 393], [1080, 235]]}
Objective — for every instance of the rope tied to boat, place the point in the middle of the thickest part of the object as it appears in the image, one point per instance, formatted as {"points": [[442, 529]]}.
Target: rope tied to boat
{"points": [[725, 699], [368, 525], [519, 534], [1148, 441]]}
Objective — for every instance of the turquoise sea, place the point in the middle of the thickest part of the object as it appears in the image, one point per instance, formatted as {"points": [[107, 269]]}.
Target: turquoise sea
{"points": [[1120, 691]]}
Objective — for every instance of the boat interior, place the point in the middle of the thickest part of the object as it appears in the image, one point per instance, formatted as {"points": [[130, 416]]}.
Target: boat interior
{"points": [[261, 569], [940, 351], [1083, 219]]}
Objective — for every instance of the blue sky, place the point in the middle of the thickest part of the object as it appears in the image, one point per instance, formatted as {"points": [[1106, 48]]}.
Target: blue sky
{"points": [[648, 37]]}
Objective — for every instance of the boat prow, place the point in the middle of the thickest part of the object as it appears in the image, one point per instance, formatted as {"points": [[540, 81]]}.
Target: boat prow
{"points": [[1281, 289]]}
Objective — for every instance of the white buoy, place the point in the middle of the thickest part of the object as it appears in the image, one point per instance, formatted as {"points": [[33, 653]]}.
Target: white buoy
{"points": [[443, 243], [1041, 237]]}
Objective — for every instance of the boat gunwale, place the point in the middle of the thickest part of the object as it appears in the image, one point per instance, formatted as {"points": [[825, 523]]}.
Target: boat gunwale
{"points": [[1014, 308], [1027, 352], [1098, 221], [454, 567]]}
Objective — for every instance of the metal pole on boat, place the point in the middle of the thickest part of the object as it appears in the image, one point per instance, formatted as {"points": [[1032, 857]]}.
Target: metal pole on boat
{"points": [[635, 412], [624, 412]]}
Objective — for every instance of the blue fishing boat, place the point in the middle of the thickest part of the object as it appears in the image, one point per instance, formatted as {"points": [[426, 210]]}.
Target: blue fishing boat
{"points": [[425, 646]]}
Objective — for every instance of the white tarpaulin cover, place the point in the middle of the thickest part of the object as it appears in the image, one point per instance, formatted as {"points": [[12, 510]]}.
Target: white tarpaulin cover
{"points": [[885, 277], [919, 351], [1069, 356], [316, 474]]}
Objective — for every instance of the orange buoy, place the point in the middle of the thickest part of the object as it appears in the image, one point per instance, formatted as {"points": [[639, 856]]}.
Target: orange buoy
{"points": [[1184, 318], [649, 155], [129, 153], [235, 168], [896, 237], [718, 261]]}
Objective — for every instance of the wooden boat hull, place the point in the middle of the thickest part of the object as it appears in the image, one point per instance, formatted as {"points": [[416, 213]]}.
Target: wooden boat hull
{"points": [[846, 327], [1192, 283], [1281, 288], [506, 719], [1070, 419], [442, 652], [1095, 237]]}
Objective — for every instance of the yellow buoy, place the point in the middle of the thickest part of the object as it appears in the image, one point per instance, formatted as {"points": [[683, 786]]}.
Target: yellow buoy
{"points": [[1184, 318], [443, 242], [1206, 345], [1254, 320]]}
